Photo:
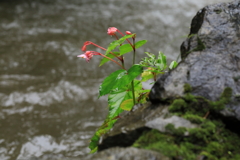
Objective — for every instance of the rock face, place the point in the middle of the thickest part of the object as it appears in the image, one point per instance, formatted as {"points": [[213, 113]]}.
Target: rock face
{"points": [[210, 58], [128, 129], [128, 153]]}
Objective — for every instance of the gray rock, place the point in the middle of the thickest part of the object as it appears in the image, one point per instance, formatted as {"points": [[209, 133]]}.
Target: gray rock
{"points": [[161, 122], [50, 157], [129, 153], [148, 116], [210, 58]]}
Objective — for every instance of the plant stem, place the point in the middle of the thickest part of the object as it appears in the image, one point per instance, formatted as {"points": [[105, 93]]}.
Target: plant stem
{"points": [[104, 50], [121, 57], [113, 61], [134, 53], [126, 39]]}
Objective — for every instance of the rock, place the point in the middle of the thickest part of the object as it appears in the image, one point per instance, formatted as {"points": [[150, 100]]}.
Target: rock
{"points": [[210, 58], [129, 153], [161, 122], [50, 157], [146, 117]]}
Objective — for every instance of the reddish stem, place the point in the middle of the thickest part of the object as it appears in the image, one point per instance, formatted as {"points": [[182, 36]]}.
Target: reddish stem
{"points": [[97, 53], [121, 57], [126, 39], [89, 42]]}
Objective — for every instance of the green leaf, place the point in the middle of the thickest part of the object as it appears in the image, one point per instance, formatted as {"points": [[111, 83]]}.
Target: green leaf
{"points": [[134, 71], [152, 56], [137, 85], [104, 128], [173, 65], [119, 79], [104, 60], [114, 100], [146, 75], [127, 105], [94, 143], [144, 96], [144, 90], [125, 48], [161, 61], [110, 81], [140, 43], [116, 43], [116, 97]]}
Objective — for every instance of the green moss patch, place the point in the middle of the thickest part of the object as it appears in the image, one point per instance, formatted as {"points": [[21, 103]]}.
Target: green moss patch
{"points": [[197, 105], [187, 88], [211, 140]]}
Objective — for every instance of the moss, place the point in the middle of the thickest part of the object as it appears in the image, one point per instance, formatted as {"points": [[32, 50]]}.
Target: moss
{"points": [[224, 99], [237, 97], [211, 140], [208, 155], [175, 131], [215, 148], [190, 98], [187, 88], [236, 78], [157, 141], [235, 157], [177, 105], [194, 118], [197, 105], [226, 95], [200, 47]]}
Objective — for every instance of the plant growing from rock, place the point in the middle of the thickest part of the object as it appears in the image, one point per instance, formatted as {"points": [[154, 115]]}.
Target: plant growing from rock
{"points": [[124, 86]]}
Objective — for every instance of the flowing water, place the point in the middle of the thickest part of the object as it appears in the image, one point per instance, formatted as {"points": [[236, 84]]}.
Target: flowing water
{"points": [[48, 96]]}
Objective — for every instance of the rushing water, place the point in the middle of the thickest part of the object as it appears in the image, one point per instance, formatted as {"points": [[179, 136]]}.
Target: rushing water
{"points": [[48, 96]]}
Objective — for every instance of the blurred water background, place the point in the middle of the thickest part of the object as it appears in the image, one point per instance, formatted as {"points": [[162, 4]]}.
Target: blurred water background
{"points": [[48, 96]]}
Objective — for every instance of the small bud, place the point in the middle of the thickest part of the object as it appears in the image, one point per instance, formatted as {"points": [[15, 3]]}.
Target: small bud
{"points": [[111, 31], [84, 48], [128, 32]]}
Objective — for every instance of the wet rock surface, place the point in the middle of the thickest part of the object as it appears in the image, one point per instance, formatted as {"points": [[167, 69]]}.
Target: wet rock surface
{"points": [[148, 116], [129, 153], [210, 58]]}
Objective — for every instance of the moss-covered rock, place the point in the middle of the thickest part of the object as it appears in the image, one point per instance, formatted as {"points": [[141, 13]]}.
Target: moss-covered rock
{"points": [[178, 105], [197, 105], [187, 88], [211, 139]]}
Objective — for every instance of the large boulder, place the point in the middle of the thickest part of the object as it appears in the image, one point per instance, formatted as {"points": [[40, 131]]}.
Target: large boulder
{"points": [[210, 58]]}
